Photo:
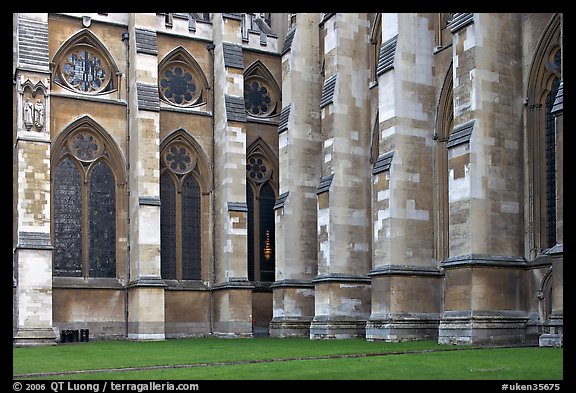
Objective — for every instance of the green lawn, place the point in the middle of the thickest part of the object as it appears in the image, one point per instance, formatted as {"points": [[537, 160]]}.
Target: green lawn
{"points": [[284, 359]]}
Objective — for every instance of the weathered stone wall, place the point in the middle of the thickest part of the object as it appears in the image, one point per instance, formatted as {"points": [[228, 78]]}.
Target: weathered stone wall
{"points": [[410, 203], [100, 310], [187, 313]]}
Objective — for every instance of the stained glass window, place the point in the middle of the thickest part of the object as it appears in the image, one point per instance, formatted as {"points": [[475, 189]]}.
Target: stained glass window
{"points": [[85, 70], [257, 98], [102, 222], [180, 213], [250, 205], [266, 231], [84, 146], [260, 201], [67, 220], [261, 237], [179, 159], [177, 85], [190, 229], [168, 226], [550, 156], [256, 168], [84, 206]]}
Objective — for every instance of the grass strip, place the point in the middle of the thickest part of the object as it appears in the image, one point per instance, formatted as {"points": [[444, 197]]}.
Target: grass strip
{"points": [[229, 363], [122, 354], [285, 359]]}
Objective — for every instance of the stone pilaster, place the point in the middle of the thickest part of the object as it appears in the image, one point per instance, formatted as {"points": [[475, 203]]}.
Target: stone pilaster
{"points": [[300, 148], [403, 268], [342, 287], [32, 264], [146, 288], [485, 192], [232, 290]]}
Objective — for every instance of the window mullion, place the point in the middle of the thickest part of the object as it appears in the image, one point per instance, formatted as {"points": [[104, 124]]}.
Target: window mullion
{"points": [[85, 228], [179, 231]]}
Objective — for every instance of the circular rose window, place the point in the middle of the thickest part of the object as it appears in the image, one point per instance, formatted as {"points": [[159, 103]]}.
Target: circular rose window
{"points": [[85, 70], [178, 85], [178, 158]]}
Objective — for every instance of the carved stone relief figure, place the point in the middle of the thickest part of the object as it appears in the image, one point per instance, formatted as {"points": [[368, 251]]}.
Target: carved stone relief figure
{"points": [[39, 114], [28, 113]]}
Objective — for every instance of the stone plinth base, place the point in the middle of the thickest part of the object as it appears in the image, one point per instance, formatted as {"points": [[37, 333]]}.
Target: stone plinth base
{"points": [[342, 306], [496, 329], [554, 335], [290, 327], [551, 340], [26, 337], [402, 328], [321, 329], [232, 309], [293, 308], [146, 309]]}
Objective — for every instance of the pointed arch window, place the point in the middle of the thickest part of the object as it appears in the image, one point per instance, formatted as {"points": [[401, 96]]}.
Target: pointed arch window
{"points": [[84, 208], [83, 64], [543, 84], [181, 81], [260, 198], [550, 153], [261, 92], [443, 128], [182, 178]]}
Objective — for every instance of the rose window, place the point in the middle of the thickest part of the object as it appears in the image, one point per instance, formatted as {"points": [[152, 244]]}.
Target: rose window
{"points": [[179, 159], [84, 70], [256, 169], [177, 85], [258, 98], [85, 146]]}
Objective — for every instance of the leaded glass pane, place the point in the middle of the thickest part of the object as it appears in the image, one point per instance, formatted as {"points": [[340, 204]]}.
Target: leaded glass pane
{"points": [[267, 247], [84, 70], [167, 227], [67, 220], [102, 222], [250, 205], [550, 154], [190, 229]]}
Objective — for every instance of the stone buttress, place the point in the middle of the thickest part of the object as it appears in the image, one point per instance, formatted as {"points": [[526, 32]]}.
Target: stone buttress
{"points": [[485, 268], [300, 149], [232, 297], [406, 281], [32, 263], [145, 287], [342, 287]]}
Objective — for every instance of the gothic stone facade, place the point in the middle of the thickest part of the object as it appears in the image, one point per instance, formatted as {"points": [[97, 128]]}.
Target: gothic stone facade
{"points": [[385, 176]]}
